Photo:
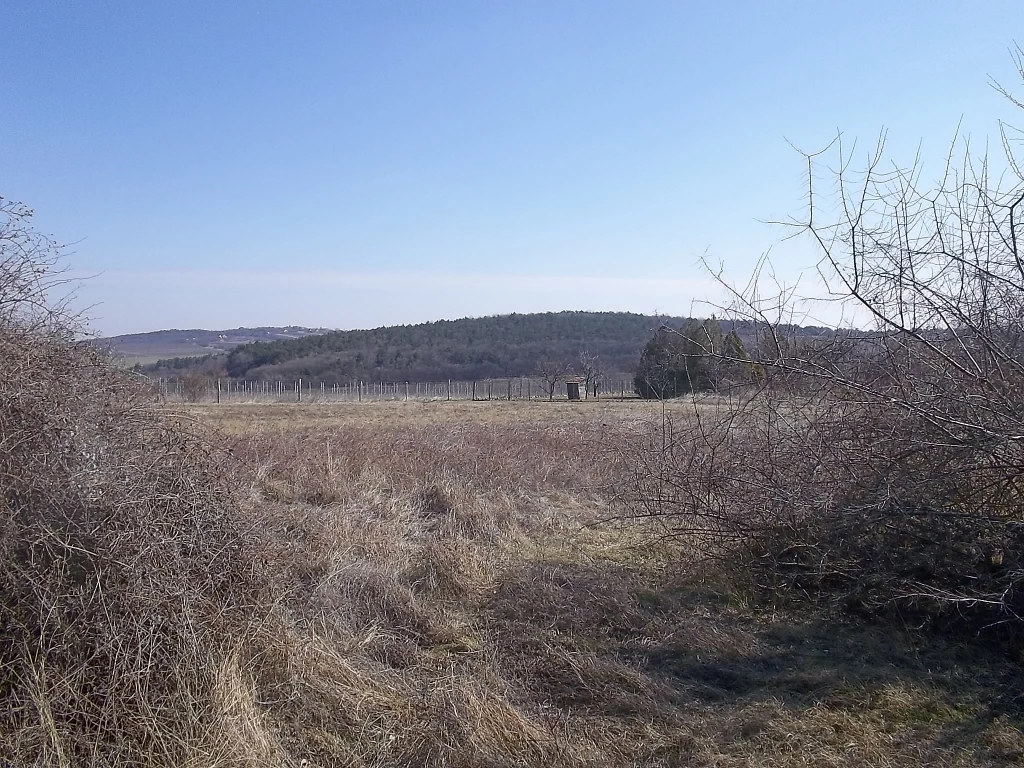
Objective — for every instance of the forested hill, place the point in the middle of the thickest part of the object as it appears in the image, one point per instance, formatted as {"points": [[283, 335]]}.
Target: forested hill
{"points": [[471, 348]]}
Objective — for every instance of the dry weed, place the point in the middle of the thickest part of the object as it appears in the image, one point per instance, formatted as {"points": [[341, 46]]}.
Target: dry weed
{"points": [[456, 601], [130, 576]]}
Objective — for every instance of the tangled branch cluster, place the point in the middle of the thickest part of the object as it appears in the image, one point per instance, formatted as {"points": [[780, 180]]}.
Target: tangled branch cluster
{"points": [[125, 561], [882, 466]]}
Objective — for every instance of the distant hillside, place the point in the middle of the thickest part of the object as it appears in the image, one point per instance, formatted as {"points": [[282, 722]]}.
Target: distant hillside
{"points": [[479, 348], [147, 348], [471, 348]]}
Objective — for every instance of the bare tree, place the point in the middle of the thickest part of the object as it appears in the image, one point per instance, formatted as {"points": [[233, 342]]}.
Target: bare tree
{"points": [[592, 372], [552, 372]]}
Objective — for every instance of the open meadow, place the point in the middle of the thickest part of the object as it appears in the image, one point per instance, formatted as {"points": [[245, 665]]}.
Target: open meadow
{"points": [[455, 584], [783, 528]]}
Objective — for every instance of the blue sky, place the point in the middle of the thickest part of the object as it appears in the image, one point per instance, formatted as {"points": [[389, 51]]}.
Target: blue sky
{"points": [[353, 164]]}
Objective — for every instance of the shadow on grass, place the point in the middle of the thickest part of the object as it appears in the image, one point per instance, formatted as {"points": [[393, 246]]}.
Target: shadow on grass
{"points": [[614, 641]]}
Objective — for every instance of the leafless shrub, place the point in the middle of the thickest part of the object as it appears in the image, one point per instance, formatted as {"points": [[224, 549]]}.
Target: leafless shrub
{"points": [[195, 385], [884, 466], [128, 582]]}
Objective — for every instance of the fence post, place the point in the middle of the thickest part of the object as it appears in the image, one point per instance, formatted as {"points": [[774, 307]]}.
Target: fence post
{"points": [[298, 391], [449, 389], [218, 391]]}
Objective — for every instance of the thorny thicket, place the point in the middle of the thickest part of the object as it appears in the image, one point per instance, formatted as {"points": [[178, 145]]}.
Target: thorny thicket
{"points": [[128, 585]]}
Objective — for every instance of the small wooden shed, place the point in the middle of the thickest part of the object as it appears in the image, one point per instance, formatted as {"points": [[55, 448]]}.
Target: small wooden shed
{"points": [[572, 390]]}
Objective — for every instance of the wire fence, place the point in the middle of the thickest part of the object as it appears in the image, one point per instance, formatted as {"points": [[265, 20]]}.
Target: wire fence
{"points": [[207, 390]]}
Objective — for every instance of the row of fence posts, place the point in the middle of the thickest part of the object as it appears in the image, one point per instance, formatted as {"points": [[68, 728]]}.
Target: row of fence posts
{"points": [[508, 389]]}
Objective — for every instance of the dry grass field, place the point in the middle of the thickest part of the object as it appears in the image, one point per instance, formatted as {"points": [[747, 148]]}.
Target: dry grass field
{"points": [[455, 590]]}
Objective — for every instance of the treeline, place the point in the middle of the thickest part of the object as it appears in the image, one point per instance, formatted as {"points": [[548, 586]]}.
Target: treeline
{"points": [[212, 362], [502, 346], [470, 348], [466, 349]]}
